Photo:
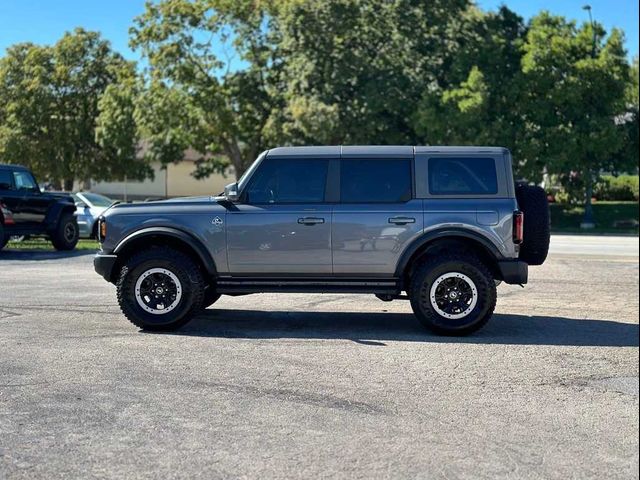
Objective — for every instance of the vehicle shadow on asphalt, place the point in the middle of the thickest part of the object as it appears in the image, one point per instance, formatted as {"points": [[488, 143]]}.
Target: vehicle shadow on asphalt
{"points": [[31, 255], [376, 328]]}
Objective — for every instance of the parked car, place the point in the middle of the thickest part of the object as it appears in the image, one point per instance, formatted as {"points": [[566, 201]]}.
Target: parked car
{"points": [[89, 206], [26, 211], [441, 224]]}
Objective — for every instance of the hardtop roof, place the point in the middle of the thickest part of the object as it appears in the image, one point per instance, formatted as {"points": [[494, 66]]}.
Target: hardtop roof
{"points": [[9, 166], [378, 150]]}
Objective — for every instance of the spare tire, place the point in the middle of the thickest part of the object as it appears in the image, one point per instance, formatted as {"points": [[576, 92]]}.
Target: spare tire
{"points": [[532, 200]]}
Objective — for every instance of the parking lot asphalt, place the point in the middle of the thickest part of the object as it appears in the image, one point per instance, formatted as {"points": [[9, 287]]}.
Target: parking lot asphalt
{"points": [[332, 386]]}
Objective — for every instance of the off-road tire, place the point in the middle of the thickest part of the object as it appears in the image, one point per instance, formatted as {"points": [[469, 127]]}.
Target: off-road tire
{"points": [[532, 200], [183, 267], [427, 273], [3, 238], [66, 234]]}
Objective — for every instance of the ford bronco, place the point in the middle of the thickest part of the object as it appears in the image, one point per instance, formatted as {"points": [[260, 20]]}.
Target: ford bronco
{"points": [[25, 210], [439, 226]]}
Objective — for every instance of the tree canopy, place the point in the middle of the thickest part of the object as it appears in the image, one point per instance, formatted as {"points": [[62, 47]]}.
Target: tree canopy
{"points": [[50, 105], [229, 79]]}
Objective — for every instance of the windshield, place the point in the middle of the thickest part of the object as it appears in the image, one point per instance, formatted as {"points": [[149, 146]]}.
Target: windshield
{"points": [[96, 200], [247, 174]]}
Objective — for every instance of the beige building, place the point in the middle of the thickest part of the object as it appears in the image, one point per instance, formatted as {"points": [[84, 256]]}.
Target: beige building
{"points": [[174, 181]]}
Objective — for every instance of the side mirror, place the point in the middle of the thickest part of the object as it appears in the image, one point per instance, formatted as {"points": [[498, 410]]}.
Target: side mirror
{"points": [[81, 205], [231, 192]]}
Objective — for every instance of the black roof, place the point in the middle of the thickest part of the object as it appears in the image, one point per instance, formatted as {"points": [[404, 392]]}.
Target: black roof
{"points": [[6, 166], [386, 151]]}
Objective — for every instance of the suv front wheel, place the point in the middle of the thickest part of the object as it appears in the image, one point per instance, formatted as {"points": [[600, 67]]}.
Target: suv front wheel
{"points": [[453, 295], [66, 234], [160, 289]]}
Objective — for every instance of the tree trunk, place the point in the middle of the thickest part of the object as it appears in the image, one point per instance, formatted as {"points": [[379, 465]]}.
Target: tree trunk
{"points": [[587, 221], [233, 152], [68, 184]]}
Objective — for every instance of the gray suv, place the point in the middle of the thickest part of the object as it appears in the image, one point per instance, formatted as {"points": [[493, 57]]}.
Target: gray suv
{"points": [[439, 226]]}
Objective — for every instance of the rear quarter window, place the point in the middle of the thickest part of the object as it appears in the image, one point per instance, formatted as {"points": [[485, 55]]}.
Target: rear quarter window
{"points": [[462, 176], [6, 182]]}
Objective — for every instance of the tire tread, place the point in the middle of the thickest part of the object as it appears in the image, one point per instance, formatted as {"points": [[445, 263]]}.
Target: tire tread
{"points": [[125, 300], [427, 318]]}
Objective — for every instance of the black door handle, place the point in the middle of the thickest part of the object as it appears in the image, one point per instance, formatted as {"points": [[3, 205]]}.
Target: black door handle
{"points": [[402, 220], [310, 220]]}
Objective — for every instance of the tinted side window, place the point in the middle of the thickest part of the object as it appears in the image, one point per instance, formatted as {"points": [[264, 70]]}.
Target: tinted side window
{"points": [[24, 181], [5, 180], [375, 181], [280, 180], [462, 176]]}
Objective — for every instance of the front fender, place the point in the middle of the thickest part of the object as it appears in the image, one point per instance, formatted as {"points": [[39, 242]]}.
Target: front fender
{"points": [[55, 212], [195, 244]]}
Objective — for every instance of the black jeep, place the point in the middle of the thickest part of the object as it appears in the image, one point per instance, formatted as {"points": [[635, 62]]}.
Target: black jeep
{"points": [[25, 210]]}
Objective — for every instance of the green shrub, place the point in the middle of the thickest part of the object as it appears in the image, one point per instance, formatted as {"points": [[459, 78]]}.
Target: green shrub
{"points": [[571, 189], [621, 188]]}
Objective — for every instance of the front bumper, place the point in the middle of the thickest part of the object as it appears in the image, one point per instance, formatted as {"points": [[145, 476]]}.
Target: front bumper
{"points": [[514, 272], [103, 264]]}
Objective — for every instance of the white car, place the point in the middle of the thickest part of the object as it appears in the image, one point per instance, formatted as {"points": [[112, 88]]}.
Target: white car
{"points": [[89, 206]]}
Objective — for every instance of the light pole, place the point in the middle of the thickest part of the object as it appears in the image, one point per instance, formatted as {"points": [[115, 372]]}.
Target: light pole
{"points": [[588, 221], [593, 31]]}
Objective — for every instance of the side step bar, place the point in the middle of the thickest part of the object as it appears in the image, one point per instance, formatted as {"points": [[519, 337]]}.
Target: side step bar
{"points": [[307, 285]]}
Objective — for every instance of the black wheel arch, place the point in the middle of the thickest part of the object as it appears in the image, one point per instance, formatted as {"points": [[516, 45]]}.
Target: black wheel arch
{"points": [[167, 237], [56, 212], [451, 240]]}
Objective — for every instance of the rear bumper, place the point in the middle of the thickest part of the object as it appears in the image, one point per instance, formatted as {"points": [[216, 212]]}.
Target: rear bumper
{"points": [[103, 265], [515, 272]]}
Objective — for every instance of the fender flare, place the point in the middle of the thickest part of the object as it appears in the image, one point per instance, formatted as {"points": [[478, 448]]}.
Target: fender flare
{"points": [[55, 212], [447, 232], [195, 244]]}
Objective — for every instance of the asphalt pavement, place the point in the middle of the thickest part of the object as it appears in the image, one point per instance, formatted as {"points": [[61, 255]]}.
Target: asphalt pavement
{"points": [[331, 386]]}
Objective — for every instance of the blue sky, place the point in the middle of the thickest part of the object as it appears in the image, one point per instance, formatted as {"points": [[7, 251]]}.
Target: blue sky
{"points": [[44, 21]]}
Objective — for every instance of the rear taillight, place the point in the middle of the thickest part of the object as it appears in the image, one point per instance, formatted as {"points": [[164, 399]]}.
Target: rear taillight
{"points": [[518, 227], [7, 215]]}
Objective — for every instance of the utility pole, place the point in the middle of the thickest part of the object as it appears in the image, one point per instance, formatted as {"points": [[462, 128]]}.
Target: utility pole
{"points": [[588, 221]]}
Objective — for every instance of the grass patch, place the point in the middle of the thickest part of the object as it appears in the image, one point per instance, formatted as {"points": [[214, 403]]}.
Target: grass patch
{"points": [[609, 217], [43, 244]]}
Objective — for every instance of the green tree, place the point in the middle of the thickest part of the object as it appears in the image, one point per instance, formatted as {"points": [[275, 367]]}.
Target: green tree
{"points": [[194, 98], [575, 90], [50, 105], [352, 71], [476, 104], [627, 159]]}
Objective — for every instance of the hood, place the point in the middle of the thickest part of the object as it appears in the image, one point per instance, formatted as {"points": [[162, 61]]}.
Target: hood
{"points": [[59, 196], [172, 205], [197, 199]]}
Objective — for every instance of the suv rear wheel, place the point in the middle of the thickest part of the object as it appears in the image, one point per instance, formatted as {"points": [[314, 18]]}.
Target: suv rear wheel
{"points": [[3, 238], [66, 234], [453, 295], [160, 289]]}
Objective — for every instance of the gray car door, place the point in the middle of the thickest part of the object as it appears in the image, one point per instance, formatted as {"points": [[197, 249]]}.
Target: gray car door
{"points": [[282, 224], [377, 216]]}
